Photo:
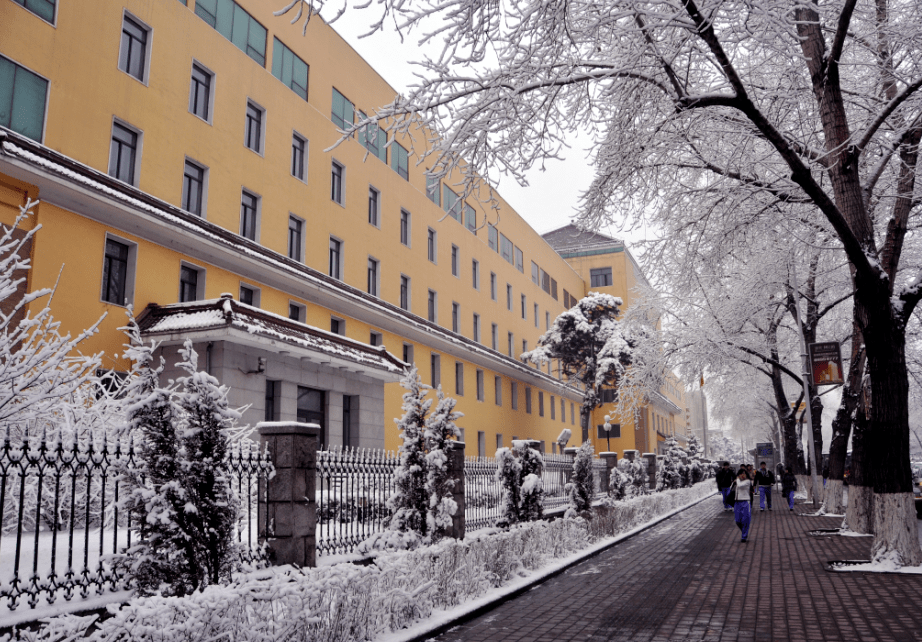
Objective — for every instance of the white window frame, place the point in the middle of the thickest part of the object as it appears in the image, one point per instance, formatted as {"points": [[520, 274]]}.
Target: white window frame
{"points": [[377, 283], [211, 93], [375, 334], [302, 311], [199, 282], [481, 392], [475, 273], [303, 247], [409, 242], [307, 147], [205, 174], [409, 293], [342, 183], [455, 261], [377, 223], [257, 293], [259, 214], [476, 329], [136, 179], [262, 127], [147, 46], [408, 349], [341, 260], [342, 325], [130, 270], [433, 256], [54, 22]]}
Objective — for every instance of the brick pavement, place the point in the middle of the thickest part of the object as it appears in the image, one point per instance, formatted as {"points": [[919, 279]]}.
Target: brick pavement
{"points": [[684, 580]]}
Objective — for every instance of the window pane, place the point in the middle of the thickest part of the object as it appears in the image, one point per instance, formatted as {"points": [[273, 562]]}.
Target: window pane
{"points": [[192, 189], [200, 92], [289, 68], [28, 108]]}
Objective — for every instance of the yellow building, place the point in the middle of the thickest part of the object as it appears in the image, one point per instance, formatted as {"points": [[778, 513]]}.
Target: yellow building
{"points": [[179, 153], [606, 265]]}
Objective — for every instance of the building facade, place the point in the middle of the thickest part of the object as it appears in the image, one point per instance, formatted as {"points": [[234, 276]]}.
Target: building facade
{"points": [[184, 157]]}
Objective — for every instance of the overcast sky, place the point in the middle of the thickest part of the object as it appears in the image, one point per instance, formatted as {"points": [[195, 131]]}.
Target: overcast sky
{"points": [[549, 200]]}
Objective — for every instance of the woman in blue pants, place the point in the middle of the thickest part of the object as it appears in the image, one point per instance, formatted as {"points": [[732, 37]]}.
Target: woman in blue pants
{"points": [[742, 508]]}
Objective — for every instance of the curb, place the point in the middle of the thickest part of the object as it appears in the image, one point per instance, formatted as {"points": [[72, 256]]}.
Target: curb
{"points": [[461, 618]]}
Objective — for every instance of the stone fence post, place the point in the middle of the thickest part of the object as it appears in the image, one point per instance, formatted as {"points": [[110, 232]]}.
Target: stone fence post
{"points": [[289, 506], [630, 455], [611, 462], [456, 472], [651, 469]]}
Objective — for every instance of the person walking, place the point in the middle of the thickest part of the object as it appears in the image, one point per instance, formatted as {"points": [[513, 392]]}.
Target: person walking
{"points": [[788, 486], [751, 475], [765, 479], [742, 509], [724, 481]]}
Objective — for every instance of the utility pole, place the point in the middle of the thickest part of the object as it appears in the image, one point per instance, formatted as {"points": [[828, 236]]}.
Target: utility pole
{"points": [[805, 358]]}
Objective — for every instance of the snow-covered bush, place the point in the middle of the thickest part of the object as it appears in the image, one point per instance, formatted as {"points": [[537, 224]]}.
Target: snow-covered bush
{"points": [[440, 429], [619, 483], [673, 472], [580, 487], [698, 470], [410, 502], [509, 475], [532, 493]]}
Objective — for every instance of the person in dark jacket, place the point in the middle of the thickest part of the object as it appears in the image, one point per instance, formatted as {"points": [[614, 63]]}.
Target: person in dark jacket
{"points": [[788, 486], [765, 479], [724, 481]]}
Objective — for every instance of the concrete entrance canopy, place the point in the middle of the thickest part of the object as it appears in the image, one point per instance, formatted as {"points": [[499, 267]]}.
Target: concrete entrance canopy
{"points": [[230, 321]]}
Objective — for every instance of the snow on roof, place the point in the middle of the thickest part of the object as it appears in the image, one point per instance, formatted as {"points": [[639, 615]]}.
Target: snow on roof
{"points": [[224, 313]]}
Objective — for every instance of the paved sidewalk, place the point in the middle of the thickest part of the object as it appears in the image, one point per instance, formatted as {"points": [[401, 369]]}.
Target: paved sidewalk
{"points": [[690, 579]]}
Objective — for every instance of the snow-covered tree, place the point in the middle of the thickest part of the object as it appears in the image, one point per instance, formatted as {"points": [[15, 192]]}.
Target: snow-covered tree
{"points": [[696, 469], [532, 488], [581, 487], [509, 475], [672, 472], [410, 503], [440, 429], [619, 483], [212, 508], [589, 342], [636, 472]]}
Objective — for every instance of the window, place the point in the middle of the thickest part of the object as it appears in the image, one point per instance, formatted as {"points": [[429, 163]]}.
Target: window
{"points": [[566, 300], [509, 347], [494, 336], [231, 21], [475, 273], [405, 227], [451, 203], [514, 395], [470, 218], [400, 161], [404, 292], [373, 206], [123, 154], [375, 338], [524, 314], [408, 353], [480, 393], [492, 238], [600, 277], [432, 190], [540, 403], [342, 113], [23, 95], [297, 312], [295, 238], [547, 320], [249, 295], [615, 431], [336, 258], [536, 314], [455, 321], [554, 289], [249, 215], [373, 138], [553, 403], [337, 325], [506, 248], [193, 188], [459, 378], [132, 55], [200, 92], [499, 442], [431, 307], [430, 246], [44, 9], [509, 297], [572, 414], [273, 396], [310, 409], [253, 138], [117, 272], [534, 274], [524, 345], [493, 286], [498, 390], [563, 411], [298, 157], [527, 399], [481, 444], [435, 367], [454, 260], [519, 261], [372, 276], [289, 68], [337, 180], [476, 333], [191, 283]]}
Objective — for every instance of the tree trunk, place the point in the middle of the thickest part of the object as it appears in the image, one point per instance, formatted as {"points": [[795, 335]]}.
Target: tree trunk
{"points": [[842, 427], [858, 516]]}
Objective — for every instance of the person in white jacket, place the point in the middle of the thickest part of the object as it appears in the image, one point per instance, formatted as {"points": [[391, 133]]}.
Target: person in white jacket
{"points": [[742, 509]]}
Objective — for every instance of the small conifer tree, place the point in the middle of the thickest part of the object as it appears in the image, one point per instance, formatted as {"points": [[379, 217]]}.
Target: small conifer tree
{"points": [[410, 501], [672, 471], [509, 475], [580, 487], [532, 487], [440, 429]]}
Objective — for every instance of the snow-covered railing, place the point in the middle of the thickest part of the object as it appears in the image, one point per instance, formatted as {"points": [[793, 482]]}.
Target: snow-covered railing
{"points": [[557, 470], [482, 493], [60, 520], [353, 485]]}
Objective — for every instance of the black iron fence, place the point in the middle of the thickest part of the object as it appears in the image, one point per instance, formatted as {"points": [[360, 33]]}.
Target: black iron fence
{"points": [[60, 522]]}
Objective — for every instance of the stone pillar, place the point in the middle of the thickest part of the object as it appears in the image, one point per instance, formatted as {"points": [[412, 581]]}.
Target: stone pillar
{"points": [[630, 455], [291, 509], [456, 472], [571, 453], [611, 461], [651, 469]]}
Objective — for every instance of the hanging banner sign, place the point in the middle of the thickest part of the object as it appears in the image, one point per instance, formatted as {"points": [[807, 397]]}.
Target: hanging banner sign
{"points": [[826, 364]]}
